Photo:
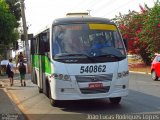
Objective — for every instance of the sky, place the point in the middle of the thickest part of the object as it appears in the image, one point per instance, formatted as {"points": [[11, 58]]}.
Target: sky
{"points": [[39, 13]]}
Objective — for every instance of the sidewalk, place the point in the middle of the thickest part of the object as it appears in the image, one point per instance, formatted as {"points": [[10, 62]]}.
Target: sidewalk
{"points": [[8, 109], [4, 78]]}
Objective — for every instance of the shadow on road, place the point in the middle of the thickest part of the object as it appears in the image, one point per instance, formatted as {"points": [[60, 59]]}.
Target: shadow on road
{"points": [[136, 102]]}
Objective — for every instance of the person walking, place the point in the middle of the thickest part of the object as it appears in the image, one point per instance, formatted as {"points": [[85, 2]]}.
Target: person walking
{"points": [[22, 71], [10, 71]]}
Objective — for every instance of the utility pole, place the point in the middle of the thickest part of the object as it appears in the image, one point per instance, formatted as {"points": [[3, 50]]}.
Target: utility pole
{"points": [[89, 12], [25, 35]]}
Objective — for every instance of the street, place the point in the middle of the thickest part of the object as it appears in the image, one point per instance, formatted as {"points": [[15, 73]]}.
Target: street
{"points": [[144, 97], [78, 52], [8, 109]]}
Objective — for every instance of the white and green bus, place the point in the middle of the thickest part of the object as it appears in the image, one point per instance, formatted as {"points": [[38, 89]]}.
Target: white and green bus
{"points": [[78, 58]]}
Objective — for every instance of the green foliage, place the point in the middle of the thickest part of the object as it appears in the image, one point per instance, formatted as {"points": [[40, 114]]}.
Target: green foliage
{"points": [[8, 33], [151, 29], [142, 31], [14, 6], [15, 9]]}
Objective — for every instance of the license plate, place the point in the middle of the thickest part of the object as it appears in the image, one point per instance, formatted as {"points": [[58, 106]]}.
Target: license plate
{"points": [[95, 85]]}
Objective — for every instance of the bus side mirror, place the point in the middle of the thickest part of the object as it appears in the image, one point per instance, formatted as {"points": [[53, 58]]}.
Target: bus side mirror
{"points": [[125, 43]]}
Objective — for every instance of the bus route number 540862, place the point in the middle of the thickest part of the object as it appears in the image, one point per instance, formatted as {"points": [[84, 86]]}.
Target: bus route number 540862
{"points": [[93, 69]]}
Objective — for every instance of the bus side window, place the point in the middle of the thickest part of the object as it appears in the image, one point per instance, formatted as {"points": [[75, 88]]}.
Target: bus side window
{"points": [[44, 42], [41, 45], [33, 46], [47, 45], [37, 45]]}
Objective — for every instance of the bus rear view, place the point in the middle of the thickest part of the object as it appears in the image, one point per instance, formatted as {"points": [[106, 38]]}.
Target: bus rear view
{"points": [[87, 60]]}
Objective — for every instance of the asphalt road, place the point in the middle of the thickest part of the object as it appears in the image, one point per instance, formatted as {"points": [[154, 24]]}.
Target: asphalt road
{"points": [[143, 98], [8, 109]]}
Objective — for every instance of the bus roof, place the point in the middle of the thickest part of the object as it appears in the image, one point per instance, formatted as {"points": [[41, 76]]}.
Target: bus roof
{"points": [[77, 14], [70, 20], [77, 19]]}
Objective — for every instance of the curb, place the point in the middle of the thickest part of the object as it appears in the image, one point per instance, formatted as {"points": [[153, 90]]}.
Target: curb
{"points": [[18, 107], [140, 72]]}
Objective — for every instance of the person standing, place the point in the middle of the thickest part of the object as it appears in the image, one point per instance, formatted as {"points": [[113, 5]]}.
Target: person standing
{"points": [[20, 58], [10, 71], [22, 71]]}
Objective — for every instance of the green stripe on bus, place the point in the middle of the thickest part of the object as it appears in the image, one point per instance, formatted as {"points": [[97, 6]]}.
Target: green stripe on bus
{"points": [[46, 64], [35, 61]]}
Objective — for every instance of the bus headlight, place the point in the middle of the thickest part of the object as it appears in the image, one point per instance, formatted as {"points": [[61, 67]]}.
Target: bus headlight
{"points": [[61, 76], [66, 77], [122, 74]]}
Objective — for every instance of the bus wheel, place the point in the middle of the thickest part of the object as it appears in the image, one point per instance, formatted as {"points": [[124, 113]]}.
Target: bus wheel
{"points": [[40, 90], [115, 100], [52, 101]]}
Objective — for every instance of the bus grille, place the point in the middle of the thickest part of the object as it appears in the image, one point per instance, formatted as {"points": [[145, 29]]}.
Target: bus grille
{"points": [[94, 91], [94, 78]]}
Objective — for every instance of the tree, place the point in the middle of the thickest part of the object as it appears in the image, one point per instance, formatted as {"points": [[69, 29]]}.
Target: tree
{"points": [[130, 26], [142, 31], [14, 7], [8, 34], [151, 29]]}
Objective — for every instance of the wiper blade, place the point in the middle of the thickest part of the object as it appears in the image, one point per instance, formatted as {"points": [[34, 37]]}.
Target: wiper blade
{"points": [[111, 56], [76, 54], [69, 54]]}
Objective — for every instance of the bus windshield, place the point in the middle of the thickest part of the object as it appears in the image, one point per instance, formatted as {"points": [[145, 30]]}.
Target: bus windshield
{"points": [[87, 43]]}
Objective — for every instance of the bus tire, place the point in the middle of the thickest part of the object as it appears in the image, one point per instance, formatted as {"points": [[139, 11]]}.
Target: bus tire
{"points": [[40, 90], [47, 88], [115, 100], [52, 101]]}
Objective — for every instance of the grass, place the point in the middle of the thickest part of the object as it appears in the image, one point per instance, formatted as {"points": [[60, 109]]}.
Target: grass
{"points": [[138, 66]]}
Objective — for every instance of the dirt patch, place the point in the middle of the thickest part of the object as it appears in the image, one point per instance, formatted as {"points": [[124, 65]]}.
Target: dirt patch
{"points": [[138, 66]]}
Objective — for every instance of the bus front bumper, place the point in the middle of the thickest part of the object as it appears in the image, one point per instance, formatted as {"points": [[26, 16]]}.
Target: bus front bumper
{"points": [[71, 94]]}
